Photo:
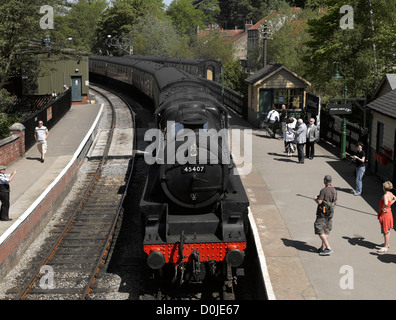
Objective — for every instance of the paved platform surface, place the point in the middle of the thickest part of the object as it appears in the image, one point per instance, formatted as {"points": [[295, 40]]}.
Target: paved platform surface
{"points": [[281, 197], [33, 177]]}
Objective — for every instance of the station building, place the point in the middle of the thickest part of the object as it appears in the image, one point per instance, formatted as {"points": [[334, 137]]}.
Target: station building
{"points": [[382, 142], [275, 85], [58, 71]]}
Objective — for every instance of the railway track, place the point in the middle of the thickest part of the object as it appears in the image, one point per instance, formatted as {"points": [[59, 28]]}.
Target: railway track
{"points": [[80, 245]]}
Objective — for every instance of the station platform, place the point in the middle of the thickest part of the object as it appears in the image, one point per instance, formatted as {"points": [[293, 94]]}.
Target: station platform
{"points": [[282, 208], [36, 186]]}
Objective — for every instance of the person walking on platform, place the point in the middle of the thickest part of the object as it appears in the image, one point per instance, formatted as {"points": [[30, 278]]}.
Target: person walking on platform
{"points": [[41, 134], [385, 216], [359, 159], [5, 179], [326, 201], [312, 137], [301, 139], [272, 119]]}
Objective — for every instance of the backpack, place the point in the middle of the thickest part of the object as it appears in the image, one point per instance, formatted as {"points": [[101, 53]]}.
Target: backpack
{"points": [[327, 208]]}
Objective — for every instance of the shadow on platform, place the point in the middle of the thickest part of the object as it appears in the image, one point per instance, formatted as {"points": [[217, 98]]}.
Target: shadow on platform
{"points": [[299, 245]]}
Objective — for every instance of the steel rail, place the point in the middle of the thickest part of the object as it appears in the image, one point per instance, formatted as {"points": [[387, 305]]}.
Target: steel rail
{"points": [[113, 228]]}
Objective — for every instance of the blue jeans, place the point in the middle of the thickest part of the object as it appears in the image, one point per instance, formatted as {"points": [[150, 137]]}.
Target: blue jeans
{"points": [[359, 176]]}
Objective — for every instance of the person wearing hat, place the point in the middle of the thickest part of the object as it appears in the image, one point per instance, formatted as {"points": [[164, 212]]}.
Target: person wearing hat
{"points": [[5, 179], [323, 222]]}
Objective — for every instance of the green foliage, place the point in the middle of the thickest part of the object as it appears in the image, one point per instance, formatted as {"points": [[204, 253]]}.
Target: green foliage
{"points": [[20, 35], [234, 77], [155, 36], [6, 101], [75, 29], [118, 20], [214, 46], [211, 11], [186, 17], [6, 121], [352, 49]]}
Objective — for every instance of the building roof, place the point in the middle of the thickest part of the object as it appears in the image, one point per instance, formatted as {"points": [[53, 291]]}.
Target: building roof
{"points": [[268, 71], [294, 12], [389, 78], [385, 104], [232, 34]]}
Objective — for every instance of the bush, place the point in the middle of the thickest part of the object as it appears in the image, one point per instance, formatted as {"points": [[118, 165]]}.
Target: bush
{"points": [[6, 121]]}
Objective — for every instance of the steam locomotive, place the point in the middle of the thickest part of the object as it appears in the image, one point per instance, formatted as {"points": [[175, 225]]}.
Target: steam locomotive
{"points": [[194, 208]]}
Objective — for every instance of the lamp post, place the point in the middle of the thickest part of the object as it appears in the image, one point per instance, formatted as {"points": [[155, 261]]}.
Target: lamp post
{"points": [[337, 76]]}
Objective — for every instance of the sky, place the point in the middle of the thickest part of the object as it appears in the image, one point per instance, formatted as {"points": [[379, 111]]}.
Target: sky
{"points": [[167, 2]]}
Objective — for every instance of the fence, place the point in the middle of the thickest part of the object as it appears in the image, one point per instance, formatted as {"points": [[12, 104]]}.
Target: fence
{"points": [[50, 114], [231, 98], [331, 131]]}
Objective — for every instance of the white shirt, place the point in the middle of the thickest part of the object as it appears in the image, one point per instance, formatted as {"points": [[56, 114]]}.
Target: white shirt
{"points": [[4, 178], [272, 115], [41, 133]]}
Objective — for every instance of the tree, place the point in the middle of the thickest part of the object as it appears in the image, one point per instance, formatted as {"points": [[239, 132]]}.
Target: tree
{"points": [[351, 49], [119, 19], [76, 27], [155, 36], [210, 10], [215, 46], [186, 17], [20, 35], [234, 13], [288, 45]]}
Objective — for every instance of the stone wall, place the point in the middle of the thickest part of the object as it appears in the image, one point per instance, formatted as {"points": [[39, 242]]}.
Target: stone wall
{"points": [[13, 147]]}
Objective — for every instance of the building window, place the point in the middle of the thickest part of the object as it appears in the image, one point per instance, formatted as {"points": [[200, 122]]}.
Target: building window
{"points": [[292, 98]]}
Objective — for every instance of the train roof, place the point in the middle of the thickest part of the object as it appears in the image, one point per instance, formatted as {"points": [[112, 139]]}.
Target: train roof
{"points": [[137, 64], [166, 76], [161, 59]]}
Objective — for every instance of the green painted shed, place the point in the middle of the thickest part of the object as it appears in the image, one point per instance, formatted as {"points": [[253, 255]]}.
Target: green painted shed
{"points": [[59, 71]]}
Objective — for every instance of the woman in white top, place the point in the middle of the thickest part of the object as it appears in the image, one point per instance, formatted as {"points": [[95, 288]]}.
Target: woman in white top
{"points": [[289, 136]]}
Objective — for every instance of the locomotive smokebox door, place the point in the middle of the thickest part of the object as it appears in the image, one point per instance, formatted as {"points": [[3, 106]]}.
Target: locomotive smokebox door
{"points": [[193, 185]]}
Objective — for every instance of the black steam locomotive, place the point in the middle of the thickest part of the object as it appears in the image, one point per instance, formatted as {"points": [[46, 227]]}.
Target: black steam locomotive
{"points": [[194, 208]]}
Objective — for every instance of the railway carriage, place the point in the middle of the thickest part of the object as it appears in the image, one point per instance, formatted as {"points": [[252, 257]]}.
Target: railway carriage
{"points": [[203, 68]]}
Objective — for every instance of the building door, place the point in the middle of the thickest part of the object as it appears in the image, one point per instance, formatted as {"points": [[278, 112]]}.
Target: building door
{"points": [[76, 88], [266, 98]]}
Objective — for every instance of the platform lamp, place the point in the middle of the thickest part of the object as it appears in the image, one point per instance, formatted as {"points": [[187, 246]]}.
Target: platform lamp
{"points": [[337, 76]]}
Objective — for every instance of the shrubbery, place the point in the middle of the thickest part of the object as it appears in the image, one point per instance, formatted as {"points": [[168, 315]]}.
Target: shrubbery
{"points": [[6, 121]]}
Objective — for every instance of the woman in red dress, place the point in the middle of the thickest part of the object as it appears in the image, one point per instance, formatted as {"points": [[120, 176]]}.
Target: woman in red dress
{"points": [[385, 216]]}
